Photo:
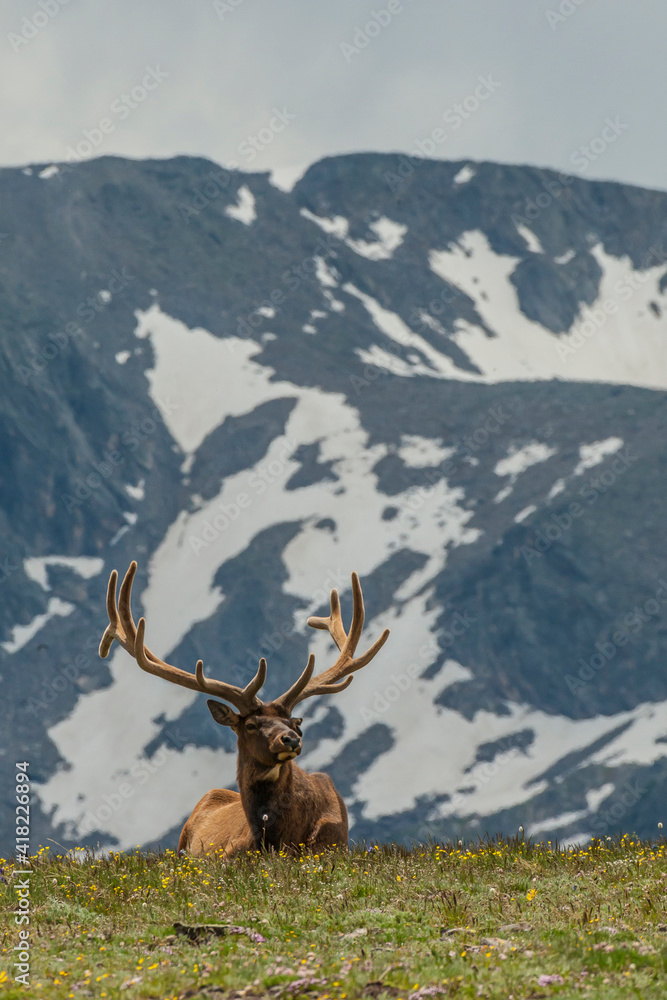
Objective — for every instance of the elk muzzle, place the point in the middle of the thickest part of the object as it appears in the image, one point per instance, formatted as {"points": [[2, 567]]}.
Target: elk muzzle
{"points": [[290, 746]]}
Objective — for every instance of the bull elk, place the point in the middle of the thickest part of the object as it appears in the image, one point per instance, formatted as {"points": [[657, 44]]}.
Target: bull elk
{"points": [[278, 806]]}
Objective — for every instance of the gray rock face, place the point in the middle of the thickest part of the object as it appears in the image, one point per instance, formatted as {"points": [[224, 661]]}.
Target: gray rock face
{"points": [[455, 387]]}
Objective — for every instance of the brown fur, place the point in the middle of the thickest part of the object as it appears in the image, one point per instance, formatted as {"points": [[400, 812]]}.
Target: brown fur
{"points": [[303, 811]]}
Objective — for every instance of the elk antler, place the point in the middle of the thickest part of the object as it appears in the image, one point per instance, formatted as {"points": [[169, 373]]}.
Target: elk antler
{"points": [[121, 627], [330, 681]]}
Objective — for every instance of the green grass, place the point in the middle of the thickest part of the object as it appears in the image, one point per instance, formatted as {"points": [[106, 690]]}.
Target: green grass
{"points": [[490, 919]]}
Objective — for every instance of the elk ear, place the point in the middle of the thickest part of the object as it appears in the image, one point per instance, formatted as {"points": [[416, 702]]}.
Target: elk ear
{"points": [[223, 714]]}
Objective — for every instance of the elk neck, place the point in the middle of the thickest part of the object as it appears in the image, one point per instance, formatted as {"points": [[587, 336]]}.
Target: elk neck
{"points": [[266, 791]]}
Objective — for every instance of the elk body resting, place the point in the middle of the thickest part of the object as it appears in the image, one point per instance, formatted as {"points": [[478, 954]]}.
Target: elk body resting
{"points": [[278, 805]]}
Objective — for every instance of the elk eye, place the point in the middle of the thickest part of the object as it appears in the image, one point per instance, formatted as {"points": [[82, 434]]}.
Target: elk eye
{"points": [[250, 725]]}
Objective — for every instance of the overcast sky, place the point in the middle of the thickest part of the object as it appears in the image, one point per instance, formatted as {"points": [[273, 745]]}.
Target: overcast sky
{"points": [[534, 81]]}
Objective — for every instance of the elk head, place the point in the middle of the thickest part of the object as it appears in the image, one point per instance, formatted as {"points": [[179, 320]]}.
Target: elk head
{"points": [[266, 732], [268, 736]]}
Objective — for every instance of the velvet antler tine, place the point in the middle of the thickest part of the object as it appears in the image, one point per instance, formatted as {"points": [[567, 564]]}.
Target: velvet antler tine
{"points": [[251, 689], [298, 687], [152, 665], [334, 623], [106, 643], [112, 610], [339, 676], [132, 638], [332, 688], [140, 648], [355, 665], [358, 615], [334, 601], [337, 628], [124, 603], [110, 631], [292, 696], [318, 622], [236, 696], [366, 657]]}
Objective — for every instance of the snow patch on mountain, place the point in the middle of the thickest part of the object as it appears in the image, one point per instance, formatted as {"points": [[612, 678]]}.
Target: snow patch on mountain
{"points": [[389, 234], [385, 361], [199, 379], [513, 780], [591, 455], [48, 172], [389, 238], [36, 567], [325, 273], [594, 798], [597, 347], [639, 743], [516, 462], [22, 634], [557, 488], [520, 459], [421, 453], [136, 492], [391, 325], [338, 226], [464, 175], [530, 238], [503, 494], [244, 210]]}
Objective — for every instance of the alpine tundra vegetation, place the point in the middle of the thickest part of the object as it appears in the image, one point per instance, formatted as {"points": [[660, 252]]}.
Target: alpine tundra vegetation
{"points": [[494, 919]]}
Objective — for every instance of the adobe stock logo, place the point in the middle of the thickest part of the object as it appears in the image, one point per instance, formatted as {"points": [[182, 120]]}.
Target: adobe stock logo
{"points": [[565, 9], [32, 26], [222, 7], [583, 157], [120, 108]]}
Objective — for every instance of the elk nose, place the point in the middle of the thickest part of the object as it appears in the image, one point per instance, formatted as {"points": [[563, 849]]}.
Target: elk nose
{"points": [[290, 741]]}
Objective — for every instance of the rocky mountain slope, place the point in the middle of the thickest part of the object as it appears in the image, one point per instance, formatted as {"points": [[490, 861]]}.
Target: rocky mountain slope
{"points": [[448, 376]]}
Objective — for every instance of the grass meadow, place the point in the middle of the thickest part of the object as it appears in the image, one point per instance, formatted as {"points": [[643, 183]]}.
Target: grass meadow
{"points": [[496, 919]]}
